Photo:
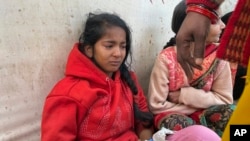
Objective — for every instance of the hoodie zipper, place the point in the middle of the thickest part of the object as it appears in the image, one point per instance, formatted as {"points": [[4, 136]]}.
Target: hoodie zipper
{"points": [[107, 79]]}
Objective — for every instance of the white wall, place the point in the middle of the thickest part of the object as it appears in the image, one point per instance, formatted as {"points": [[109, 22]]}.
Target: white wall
{"points": [[36, 36]]}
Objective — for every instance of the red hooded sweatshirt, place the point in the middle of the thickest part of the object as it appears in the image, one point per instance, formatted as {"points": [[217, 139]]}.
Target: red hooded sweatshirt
{"points": [[87, 105]]}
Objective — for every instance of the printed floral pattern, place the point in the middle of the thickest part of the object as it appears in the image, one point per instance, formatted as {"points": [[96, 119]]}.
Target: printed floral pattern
{"points": [[215, 118]]}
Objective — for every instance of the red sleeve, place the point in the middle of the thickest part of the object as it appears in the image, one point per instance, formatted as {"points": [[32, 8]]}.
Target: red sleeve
{"points": [[141, 101], [140, 98], [59, 119], [213, 4]]}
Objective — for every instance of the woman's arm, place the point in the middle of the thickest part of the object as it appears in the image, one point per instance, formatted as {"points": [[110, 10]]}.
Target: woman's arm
{"points": [[158, 90], [195, 32], [143, 131], [59, 119], [220, 93]]}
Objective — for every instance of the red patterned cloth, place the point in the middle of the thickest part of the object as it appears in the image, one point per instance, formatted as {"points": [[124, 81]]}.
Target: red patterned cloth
{"points": [[234, 45]]}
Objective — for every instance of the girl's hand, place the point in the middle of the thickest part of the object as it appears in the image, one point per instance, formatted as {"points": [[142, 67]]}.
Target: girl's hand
{"points": [[174, 96], [146, 134]]}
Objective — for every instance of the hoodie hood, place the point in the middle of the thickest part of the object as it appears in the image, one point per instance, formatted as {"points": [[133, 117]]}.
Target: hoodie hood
{"points": [[79, 65]]}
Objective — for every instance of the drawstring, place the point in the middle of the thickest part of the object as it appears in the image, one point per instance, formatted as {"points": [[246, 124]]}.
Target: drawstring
{"points": [[107, 79]]}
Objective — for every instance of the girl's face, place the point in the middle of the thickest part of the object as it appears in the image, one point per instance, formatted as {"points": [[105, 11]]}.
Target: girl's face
{"points": [[109, 51], [215, 32]]}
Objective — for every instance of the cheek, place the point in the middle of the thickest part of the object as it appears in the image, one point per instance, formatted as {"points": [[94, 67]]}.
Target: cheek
{"points": [[213, 35], [212, 38], [101, 57], [215, 30], [123, 54], [209, 38]]}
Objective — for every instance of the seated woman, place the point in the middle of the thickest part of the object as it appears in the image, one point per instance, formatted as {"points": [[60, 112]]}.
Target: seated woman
{"points": [[178, 102]]}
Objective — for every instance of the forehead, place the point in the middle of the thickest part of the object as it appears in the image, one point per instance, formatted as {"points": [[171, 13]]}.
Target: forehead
{"points": [[113, 30], [114, 34], [219, 12]]}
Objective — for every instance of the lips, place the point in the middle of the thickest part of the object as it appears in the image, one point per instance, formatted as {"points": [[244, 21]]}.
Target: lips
{"points": [[115, 63]]}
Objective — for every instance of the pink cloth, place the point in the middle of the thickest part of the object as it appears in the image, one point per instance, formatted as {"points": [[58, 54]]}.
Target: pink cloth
{"points": [[194, 133]]}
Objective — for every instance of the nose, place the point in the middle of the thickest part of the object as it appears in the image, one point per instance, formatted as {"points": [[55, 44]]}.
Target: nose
{"points": [[117, 51], [222, 24]]}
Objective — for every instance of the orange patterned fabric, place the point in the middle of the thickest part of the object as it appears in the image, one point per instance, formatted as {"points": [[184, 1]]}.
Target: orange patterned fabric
{"points": [[207, 63], [176, 73], [234, 45]]}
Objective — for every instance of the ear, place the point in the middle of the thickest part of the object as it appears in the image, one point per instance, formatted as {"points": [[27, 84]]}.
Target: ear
{"points": [[88, 51]]}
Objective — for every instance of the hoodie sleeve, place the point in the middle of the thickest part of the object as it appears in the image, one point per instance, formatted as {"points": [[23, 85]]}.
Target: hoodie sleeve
{"points": [[141, 101], [59, 119], [140, 98]]}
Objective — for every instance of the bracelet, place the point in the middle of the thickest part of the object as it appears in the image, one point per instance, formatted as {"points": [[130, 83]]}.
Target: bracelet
{"points": [[206, 7], [212, 15], [212, 4]]}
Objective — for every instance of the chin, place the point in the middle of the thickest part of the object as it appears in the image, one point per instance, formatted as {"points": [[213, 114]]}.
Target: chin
{"points": [[216, 40], [114, 69]]}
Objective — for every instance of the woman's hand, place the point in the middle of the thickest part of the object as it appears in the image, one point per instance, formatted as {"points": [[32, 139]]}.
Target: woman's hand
{"points": [[174, 96], [194, 28]]}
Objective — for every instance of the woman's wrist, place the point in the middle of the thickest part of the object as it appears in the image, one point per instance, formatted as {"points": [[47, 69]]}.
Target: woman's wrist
{"points": [[202, 9], [212, 4]]}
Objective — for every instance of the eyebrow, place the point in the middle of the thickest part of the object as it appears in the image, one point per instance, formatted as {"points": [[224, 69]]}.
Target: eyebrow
{"points": [[111, 41]]}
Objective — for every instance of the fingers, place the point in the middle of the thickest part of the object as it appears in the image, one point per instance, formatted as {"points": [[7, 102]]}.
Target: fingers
{"points": [[194, 29], [199, 47], [186, 67], [203, 24], [185, 57]]}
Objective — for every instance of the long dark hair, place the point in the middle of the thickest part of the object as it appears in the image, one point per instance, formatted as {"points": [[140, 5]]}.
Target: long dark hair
{"points": [[178, 17], [95, 27]]}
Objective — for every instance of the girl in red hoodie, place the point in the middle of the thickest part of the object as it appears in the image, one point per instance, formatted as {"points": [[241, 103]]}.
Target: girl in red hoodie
{"points": [[99, 98]]}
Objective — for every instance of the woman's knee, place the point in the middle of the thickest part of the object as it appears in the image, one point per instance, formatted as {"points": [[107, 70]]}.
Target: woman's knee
{"points": [[176, 122]]}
